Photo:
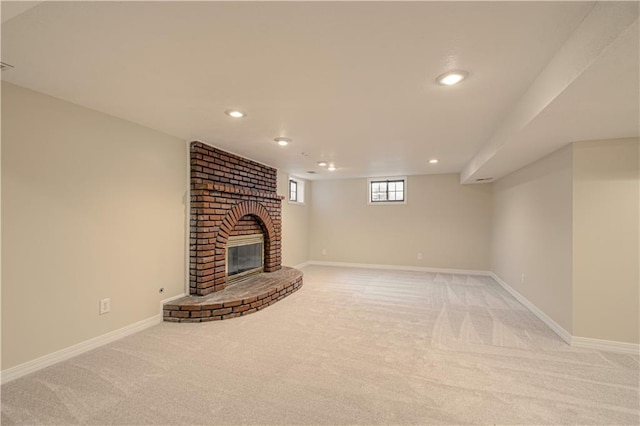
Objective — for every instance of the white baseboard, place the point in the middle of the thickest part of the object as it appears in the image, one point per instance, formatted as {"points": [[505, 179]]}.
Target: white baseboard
{"points": [[559, 330], [578, 342], [605, 345], [398, 267], [32, 366]]}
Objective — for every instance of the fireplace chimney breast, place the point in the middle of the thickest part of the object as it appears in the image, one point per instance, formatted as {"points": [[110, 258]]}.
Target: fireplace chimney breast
{"points": [[231, 196]]}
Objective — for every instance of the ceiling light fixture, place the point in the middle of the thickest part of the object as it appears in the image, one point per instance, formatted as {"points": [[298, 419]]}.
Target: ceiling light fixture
{"points": [[452, 77], [235, 113], [331, 167], [322, 163], [283, 141], [433, 161]]}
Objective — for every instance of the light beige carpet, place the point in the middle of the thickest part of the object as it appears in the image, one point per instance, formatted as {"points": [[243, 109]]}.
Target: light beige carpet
{"points": [[353, 346]]}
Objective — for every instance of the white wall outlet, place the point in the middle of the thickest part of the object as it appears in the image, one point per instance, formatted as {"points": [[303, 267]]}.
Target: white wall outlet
{"points": [[105, 306], [522, 278], [419, 256], [324, 252]]}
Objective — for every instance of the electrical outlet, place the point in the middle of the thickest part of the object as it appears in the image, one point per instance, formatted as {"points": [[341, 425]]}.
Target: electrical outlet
{"points": [[105, 306], [324, 252], [419, 256]]}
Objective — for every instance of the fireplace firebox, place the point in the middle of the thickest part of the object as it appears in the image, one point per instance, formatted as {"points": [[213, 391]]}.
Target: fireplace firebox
{"points": [[245, 254]]}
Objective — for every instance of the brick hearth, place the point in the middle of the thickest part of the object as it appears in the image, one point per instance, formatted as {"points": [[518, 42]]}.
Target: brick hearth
{"points": [[246, 297]]}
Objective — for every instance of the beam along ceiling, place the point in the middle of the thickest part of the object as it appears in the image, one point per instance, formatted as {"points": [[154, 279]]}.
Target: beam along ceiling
{"points": [[351, 83]]}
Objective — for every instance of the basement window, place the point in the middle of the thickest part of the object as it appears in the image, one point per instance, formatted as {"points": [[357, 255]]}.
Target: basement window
{"points": [[389, 190], [296, 190]]}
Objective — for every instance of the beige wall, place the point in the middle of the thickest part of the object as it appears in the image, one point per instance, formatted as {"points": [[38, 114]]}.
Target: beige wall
{"points": [[532, 234], [92, 207], [449, 223], [605, 240], [295, 224], [570, 223]]}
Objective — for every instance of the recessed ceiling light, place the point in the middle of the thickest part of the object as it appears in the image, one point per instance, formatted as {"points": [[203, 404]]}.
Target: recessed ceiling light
{"points": [[452, 77], [433, 161], [331, 167], [283, 141], [322, 163], [235, 113]]}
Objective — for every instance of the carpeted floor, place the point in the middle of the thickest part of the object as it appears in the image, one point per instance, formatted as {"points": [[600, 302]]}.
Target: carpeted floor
{"points": [[353, 346]]}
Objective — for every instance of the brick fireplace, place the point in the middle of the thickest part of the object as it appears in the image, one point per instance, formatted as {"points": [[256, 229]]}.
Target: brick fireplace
{"points": [[233, 201], [230, 196]]}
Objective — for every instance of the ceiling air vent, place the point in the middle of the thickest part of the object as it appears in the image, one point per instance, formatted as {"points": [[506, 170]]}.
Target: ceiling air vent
{"points": [[5, 66]]}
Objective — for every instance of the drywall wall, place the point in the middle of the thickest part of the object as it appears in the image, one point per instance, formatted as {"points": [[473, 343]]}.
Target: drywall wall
{"points": [[449, 223], [295, 223], [532, 234], [1, 198], [93, 207], [605, 240]]}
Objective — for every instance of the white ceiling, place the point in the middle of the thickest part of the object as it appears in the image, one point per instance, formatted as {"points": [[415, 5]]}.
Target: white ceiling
{"points": [[349, 82]]}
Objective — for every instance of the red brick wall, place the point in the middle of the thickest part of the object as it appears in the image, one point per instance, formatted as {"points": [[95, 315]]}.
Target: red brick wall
{"points": [[247, 225], [230, 195], [210, 164]]}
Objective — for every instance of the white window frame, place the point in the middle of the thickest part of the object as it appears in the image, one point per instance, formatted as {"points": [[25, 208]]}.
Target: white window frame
{"points": [[300, 190], [386, 178]]}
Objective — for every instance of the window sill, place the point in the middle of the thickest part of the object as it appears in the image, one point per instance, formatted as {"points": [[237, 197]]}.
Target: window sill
{"points": [[386, 203]]}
